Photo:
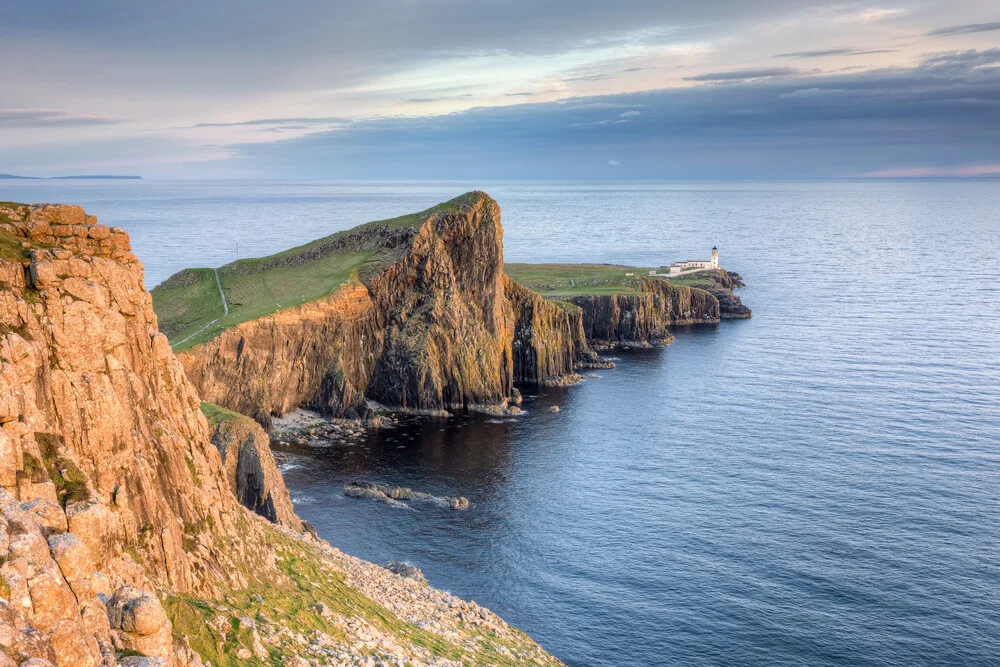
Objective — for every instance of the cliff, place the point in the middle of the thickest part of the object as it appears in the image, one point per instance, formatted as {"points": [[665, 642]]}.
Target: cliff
{"points": [[644, 319], [249, 466], [621, 307], [432, 323], [120, 534], [730, 305], [99, 427]]}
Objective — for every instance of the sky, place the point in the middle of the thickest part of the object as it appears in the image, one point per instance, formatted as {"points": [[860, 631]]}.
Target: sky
{"points": [[524, 89]]}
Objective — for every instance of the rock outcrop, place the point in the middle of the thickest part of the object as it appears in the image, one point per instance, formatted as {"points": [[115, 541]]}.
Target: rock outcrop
{"points": [[57, 607], [730, 305], [318, 354], [121, 540], [644, 319], [96, 413], [249, 467], [438, 327], [546, 344]]}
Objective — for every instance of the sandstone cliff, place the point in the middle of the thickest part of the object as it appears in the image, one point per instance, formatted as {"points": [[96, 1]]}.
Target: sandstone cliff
{"points": [[121, 540], [436, 326], [249, 466], [98, 421]]}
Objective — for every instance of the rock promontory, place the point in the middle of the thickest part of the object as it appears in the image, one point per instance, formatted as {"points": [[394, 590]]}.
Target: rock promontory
{"points": [[625, 307], [423, 318]]}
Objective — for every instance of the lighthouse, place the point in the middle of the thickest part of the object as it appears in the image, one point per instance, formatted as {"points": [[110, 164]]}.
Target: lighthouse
{"points": [[715, 257]]}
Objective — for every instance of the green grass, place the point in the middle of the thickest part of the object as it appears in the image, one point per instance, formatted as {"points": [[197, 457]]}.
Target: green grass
{"points": [[22, 208], [192, 313], [69, 480], [553, 280], [187, 302], [292, 604], [567, 280], [11, 249], [217, 415], [190, 309], [701, 279]]}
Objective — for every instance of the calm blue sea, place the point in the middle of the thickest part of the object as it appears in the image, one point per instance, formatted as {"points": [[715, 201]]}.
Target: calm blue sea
{"points": [[819, 485]]}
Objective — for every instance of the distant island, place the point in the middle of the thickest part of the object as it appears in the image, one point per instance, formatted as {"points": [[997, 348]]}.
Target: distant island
{"points": [[92, 177]]}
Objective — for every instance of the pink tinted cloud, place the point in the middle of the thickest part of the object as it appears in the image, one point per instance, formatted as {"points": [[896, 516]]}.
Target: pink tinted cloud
{"points": [[966, 171]]}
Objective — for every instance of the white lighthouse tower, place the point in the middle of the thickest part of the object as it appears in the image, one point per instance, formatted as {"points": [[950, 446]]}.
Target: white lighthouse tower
{"points": [[715, 257]]}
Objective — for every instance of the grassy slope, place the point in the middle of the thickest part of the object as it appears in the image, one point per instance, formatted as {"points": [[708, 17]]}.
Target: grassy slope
{"points": [[294, 603], [702, 279], [216, 415], [189, 307], [553, 280]]}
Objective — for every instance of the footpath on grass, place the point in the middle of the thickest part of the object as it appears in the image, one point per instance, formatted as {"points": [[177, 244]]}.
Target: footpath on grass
{"points": [[225, 310]]}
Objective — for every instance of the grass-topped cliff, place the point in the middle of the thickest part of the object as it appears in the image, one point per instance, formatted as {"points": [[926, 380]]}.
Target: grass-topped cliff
{"points": [[190, 307], [623, 306], [414, 312], [555, 281], [563, 280]]}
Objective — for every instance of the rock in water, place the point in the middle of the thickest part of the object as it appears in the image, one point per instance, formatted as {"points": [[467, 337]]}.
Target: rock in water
{"points": [[405, 570]]}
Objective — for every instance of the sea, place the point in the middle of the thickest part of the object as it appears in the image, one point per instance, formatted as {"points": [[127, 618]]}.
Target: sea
{"points": [[818, 485]]}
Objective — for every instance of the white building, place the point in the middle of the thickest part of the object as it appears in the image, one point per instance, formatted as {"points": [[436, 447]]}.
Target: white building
{"points": [[693, 264]]}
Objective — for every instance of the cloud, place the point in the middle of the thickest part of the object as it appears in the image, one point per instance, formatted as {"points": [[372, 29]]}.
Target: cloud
{"points": [[614, 163], [832, 52], [243, 45], [870, 14], [962, 171], [630, 114], [26, 118], [439, 98], [743, 74], [963, 29], [206, 65], [808, 126], [329, 120]]}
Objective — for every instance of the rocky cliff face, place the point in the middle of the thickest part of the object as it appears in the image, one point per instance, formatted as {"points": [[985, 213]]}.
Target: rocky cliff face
{"points": [[96, 412], [683, 305], [98, 421], [439, 327], [730, 305], [320, 354], [547, 345], [119, 534], [623, 320], [250, 469], [643, 319]]}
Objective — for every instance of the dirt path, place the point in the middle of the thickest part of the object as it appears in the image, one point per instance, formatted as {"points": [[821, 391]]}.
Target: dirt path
{"points": [[225, 311], [225, 305]]}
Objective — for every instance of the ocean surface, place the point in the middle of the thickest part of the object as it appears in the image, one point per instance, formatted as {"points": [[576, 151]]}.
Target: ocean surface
{"points": [[819, 485]]}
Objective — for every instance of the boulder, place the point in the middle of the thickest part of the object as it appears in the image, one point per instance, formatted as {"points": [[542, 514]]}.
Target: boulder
{"points": [[50, 516], [139, 623]]}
